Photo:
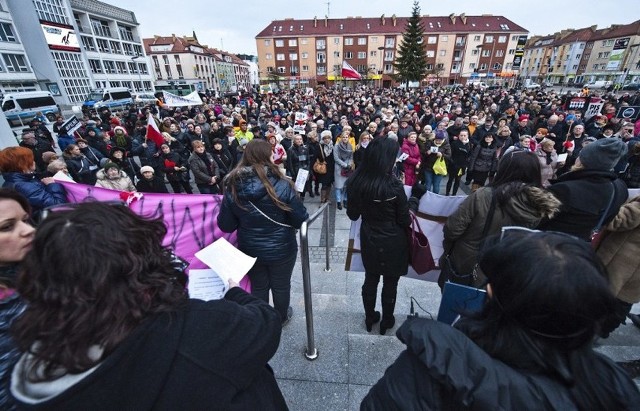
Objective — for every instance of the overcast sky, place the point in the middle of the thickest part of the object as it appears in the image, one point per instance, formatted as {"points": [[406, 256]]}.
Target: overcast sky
{"points": [[233, 25]]}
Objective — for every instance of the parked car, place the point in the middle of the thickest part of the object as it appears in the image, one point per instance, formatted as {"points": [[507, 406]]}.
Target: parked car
{"points": [[599, 84], [631, 86], [144, 98], [493, 87], [532, 86]]}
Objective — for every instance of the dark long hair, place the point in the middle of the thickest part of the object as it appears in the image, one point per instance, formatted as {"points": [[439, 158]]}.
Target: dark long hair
{"points": [[516, 169], [373, 178], [96, 271], [7, 278], [550, 297], [257, 155]]}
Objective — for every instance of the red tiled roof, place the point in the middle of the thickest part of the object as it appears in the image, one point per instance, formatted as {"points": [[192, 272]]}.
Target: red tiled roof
{"points": [[181, 44], [615, 31], [373, 25]]}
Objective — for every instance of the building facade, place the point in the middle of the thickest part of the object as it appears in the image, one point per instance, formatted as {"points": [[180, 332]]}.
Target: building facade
{"points": [[74, 46], [459, 48], [16, 70], [585, 55], [182, 65]]}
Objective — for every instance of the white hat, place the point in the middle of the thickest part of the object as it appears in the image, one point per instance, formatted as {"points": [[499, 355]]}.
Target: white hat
{"points": [[144, 169]]}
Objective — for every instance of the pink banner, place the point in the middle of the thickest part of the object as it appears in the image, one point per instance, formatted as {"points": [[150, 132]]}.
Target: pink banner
{"points": [[191, 219]]}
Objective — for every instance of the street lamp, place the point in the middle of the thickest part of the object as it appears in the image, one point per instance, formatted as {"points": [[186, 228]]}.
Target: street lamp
{"points": [[381, 49], [138, 70]]}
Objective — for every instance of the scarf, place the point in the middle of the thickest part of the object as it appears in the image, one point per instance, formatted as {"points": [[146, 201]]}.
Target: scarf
{"points": [[345, 151], [204, 157], [549, 160], [327, 148]]}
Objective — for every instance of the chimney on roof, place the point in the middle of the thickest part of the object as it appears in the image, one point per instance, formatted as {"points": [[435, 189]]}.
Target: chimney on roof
{"points": [[463, 18], [315, 21], [326, 20], [393, 19], [382, 19], [452, 16], [173, 36]]}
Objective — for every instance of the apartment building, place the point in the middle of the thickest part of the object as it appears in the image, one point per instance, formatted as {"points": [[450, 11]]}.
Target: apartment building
{"points": [[73, 46], [182, 65], [584, 55], [458, 48]]}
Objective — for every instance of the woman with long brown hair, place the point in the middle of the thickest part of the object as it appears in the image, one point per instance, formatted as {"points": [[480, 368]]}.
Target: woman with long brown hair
{"points": [[263, 206]]}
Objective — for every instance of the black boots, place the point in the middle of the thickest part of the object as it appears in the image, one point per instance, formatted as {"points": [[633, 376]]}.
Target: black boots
{"points": [[339, 205], [388, 307], [371, 316]]}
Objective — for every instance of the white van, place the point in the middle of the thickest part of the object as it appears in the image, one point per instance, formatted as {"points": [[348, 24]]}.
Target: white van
{"points": [[113, 98], [599, 84], [20, 108]]}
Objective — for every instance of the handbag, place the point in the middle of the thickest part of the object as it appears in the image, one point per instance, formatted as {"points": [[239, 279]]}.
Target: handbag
{"points": [[320, 167], [420, 257], [598, 232], [440, 167], [346, 172]]}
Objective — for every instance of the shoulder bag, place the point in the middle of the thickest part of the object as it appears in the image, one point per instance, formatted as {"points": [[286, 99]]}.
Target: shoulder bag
{"points": [[320, 167], [269, 218], [420, 257]]}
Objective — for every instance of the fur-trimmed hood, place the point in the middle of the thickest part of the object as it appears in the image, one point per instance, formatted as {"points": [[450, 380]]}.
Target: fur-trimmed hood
{"points": [[532, 201]]}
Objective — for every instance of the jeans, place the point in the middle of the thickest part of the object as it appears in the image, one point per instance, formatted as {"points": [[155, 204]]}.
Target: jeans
{"points": [[341, 195], [275, 277], [432, 181]]}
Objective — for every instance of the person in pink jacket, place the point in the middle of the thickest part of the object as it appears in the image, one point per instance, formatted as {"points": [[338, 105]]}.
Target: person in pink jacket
{"points": [[411, 163]]}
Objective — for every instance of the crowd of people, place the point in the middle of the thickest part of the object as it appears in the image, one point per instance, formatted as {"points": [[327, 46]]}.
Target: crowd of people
{"points": [[530, 161]]}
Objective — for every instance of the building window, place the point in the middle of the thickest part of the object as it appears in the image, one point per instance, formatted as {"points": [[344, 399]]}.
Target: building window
{"points": [[305, 55], [121, 67], [103, 46], [282, 70], [88, 43], [322, 70], [374, 40], [115, 47], [294, 70], [497, 66], [389, 43], [362, 41], [388, 55], [486, 53], [488, 39], [373, 53], [15, 63], [432, 40], [133, 67], [336, 54], [512, 51], [348, 55], [101, 28], [431, 53], [439, 66], [51, 10], [362, 54], [293, 42], [502, 39], [361, 68], [293, 56], [95, 65], [280, 56], [348, 41], [575, 67], [109, 66], [483, 66], [305, 68], [459, 41], [499, 53], [321, 57], [268, 56], [476, 38], [267, 43], [472, 66], [443, 52], [279, 43], [514, 38], [304, 41], [6, 33], [269, 69], [321, 44], [444, 38], [388, 68], [429, 66], [125, 33], [128, 49]]}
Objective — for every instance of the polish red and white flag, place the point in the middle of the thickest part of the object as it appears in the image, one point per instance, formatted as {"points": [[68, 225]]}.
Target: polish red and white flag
{"points": [[153, 132], [349, 72]]}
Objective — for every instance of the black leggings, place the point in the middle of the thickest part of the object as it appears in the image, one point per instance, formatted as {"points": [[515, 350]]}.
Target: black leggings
{"points": [[455, 175], [177, 187]]}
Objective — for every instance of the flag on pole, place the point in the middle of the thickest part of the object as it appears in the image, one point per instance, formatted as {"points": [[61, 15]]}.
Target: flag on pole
{"points": [[349, 72], [153, 133]]}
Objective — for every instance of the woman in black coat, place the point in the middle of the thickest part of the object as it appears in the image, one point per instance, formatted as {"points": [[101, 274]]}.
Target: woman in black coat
{"points": [[460, 154], [223, 158], [176, 170], [378, 197], [325, 153]]}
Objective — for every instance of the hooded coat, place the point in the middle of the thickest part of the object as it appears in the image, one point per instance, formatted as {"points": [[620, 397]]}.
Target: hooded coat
{"points": [[121, 183], [463, 230]]}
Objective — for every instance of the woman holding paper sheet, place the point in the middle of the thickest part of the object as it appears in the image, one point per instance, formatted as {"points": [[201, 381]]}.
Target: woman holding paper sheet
{"points": [[262, 205], [113, 328]]}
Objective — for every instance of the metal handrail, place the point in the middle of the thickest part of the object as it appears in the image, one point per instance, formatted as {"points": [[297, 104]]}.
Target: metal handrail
{"points": [[311, 352]]}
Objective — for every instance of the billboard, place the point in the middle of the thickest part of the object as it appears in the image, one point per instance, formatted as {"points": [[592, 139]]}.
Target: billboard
{"points": [[517, 58], [615, 58], [60, 36]]}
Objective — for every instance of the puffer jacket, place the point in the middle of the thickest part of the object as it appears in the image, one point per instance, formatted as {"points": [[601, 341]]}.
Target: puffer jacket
{"points": [[547, 171], [463, 229], [120, 183], [40, 195], [443, 369], [11, 305], [619, 252], [484, 158], [258, 236]]}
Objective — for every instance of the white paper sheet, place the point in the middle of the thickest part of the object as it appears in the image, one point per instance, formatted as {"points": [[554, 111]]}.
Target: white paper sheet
{"points": [[301, 180], [562, 158], [225, 260], [206, 285], [61, 176]]}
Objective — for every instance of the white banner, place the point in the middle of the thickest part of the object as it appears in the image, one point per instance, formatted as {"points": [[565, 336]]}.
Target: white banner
{"points": [[173, 100], [301, 180], [594, 109]]}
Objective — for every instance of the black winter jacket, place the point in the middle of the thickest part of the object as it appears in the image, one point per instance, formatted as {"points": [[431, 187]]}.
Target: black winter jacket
{"points": [[258, 236], [204, 356], [584, 195], [443, 369]]}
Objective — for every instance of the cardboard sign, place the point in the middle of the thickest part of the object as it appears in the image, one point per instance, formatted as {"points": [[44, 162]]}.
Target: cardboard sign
{"points": [[629, 113], [69, 126]]}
